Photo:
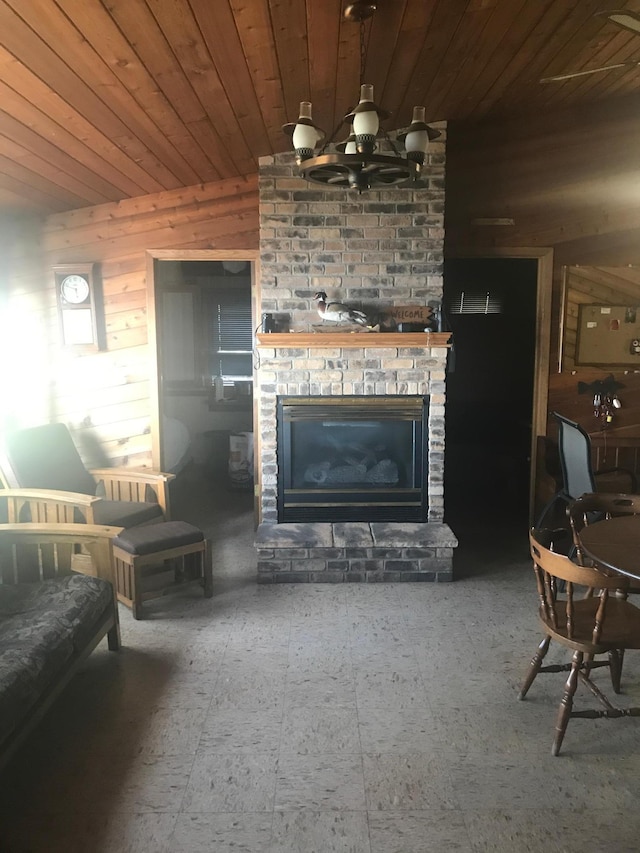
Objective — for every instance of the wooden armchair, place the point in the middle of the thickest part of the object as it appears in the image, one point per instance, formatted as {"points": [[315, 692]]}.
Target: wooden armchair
{"points": [[46, 458]]}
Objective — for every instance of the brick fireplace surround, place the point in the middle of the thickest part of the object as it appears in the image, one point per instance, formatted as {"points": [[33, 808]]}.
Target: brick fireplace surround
{"points": [[378, 248]]}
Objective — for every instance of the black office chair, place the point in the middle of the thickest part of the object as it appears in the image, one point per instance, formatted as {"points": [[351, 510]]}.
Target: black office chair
{"points": [[578, 476]]}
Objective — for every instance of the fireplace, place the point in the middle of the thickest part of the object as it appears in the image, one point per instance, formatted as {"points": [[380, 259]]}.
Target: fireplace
{"points": [[352, 458], [324, 517]]}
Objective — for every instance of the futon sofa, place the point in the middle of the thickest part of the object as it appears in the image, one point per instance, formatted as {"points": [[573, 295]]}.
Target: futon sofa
{"points": [[51, 617]]}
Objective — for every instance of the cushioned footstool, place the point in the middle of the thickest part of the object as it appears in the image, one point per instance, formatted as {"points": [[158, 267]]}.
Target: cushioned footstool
{"points": [[143, 552]]}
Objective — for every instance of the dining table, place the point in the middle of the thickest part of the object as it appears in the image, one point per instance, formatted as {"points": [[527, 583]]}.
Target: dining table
{"points": [[615, 544]]}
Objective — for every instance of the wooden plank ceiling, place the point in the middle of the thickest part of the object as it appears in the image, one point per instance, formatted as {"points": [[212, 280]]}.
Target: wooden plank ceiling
{"points": [[102, 100]]}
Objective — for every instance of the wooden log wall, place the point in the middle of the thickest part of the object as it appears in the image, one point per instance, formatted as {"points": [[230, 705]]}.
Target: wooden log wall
{"points": [[567, 181], [105, 396]]}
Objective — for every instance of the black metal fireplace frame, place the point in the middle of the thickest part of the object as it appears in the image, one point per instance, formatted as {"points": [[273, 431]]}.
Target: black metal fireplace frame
{"points": [[371, 504]]}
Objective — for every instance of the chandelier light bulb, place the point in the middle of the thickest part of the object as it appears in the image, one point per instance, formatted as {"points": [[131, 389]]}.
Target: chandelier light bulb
{"points": [[416, 142], [350, 147], [305, 133], [366, 122]]}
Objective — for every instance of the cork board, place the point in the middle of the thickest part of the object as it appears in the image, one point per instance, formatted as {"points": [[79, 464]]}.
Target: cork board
{"points": [[606, 334]]}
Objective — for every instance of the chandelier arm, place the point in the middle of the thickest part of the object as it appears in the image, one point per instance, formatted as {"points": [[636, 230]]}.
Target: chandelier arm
{"points": [[331, 138], [394, 147]]}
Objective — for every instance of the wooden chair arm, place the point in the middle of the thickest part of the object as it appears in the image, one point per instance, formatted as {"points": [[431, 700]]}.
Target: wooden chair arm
{"points": [[131, 484], [132, 475], [47, 506], [78, 498], [95, 538]]}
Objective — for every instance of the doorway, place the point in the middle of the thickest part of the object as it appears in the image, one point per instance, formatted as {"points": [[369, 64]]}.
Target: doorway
{"points": [[201, 322], [493, 308]]}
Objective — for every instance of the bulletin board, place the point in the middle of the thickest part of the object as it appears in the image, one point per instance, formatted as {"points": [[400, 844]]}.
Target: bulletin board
{"points": [[608, 334]]}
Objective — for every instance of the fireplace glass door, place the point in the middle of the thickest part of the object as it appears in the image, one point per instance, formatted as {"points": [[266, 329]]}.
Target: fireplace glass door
{"points": [[352, 458]]}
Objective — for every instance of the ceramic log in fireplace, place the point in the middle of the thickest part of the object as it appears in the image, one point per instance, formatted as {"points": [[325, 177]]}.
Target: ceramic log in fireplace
{"points": [[352, 458]]}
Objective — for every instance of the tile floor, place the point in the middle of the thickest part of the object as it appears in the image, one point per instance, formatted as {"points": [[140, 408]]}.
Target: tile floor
{"points": [[325, 719]]}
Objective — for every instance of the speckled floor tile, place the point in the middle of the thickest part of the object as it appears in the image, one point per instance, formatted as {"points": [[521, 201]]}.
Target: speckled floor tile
{"points": [[404, 730], [171, 731], [320, 832], [249, 686], [233, 730], [137, 833], [427, 831], [558, 830], [407, 782], [380, 652], [390, 687], [512, 726], [320, 782], [95, 831], [222, 833], [312, 686], [155, 783], [326, 654], [508, 782], [320, 729], [231, 783]]}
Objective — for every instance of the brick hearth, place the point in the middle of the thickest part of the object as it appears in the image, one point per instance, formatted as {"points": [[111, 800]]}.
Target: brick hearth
{"points": [[355, 551], [371, 250]]}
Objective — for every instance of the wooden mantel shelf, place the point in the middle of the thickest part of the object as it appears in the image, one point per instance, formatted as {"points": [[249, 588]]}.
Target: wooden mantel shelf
{"points": [[353, 340]]}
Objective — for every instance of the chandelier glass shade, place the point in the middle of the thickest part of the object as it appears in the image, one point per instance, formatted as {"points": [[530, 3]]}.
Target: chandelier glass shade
{"points": [[356, 162]]}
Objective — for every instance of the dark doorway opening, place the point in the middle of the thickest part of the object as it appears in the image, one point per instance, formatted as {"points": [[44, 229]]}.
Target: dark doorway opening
{"points": [[491, 308]]}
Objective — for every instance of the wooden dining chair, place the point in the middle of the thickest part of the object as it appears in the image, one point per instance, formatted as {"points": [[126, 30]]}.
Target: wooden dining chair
{"points": [[591, 626]]}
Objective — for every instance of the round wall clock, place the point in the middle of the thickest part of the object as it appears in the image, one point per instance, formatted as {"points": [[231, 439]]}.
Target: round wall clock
{"points": [[74, 288]]}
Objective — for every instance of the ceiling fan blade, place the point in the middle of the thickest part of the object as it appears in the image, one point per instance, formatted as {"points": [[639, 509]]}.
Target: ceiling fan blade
{"points": [[572, 74]]}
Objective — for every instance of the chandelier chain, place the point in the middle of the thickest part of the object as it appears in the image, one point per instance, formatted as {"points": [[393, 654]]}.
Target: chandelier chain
{"points": [[363, 52]]}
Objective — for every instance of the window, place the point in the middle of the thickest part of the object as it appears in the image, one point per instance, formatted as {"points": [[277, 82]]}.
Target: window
{"points": [[205, 323], [231, 333], [475, 302]]}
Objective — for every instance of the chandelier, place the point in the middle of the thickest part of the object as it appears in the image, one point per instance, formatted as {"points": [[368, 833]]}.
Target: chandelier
{"points": [[354, 163]]}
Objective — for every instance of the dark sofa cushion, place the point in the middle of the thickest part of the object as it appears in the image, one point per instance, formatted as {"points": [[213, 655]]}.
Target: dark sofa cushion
{"points": [[41, 626], [45, 457]]}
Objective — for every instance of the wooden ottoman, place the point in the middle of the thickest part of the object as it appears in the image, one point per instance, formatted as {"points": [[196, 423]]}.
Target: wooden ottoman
{"points": [[142, 556]]}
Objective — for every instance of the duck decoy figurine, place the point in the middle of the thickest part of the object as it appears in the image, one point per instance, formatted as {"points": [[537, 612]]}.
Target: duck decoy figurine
{"points": [[337, 312]]}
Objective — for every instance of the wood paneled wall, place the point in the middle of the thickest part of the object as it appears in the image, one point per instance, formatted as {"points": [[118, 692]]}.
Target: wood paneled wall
{"points": [[569, 181], [105, 396]]}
